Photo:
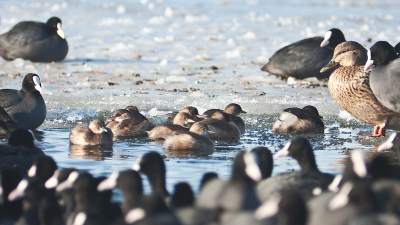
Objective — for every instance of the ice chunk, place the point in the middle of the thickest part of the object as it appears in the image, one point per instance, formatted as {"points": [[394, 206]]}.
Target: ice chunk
{"points": [[230, 42], [120, 9], [249, 35], [176, 79], [168, 12], [345, 115], [164, 62], [233, 54]]}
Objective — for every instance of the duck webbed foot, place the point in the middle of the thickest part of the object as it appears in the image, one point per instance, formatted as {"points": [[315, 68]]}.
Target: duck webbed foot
{"points": [[378, 132]]}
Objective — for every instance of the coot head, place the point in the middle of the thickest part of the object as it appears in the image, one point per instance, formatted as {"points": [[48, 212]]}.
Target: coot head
{"points": [[332, 38], [53, 26], [21, 137], [300, 149], [380, 53], [31, 83]]}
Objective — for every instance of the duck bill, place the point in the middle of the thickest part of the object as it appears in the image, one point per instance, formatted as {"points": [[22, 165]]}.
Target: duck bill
{"points": [[330, 65]]}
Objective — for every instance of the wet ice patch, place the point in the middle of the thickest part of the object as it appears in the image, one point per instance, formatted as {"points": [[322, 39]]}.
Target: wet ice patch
{"points": [[55, 8], [233, 54], [230, 42], [345, 115], [169, 12], [164, 62], [121, 9], [176, 79], [121, 47], [157, 20], [193, 19], [63, 115], [146, 30], [154, 112], [249, 35], [113, 21], [197, 94], [19, 62]]}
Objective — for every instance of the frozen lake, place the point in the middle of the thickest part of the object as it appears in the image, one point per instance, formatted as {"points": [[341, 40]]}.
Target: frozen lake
{"points": [[164, 55]]}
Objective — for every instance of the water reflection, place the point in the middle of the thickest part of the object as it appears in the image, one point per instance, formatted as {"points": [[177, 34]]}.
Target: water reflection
{"points": [[94, 153], [187, 153]]}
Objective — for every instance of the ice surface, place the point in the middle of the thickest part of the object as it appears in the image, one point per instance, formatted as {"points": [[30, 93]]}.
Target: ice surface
{"points": [[164, 55]]}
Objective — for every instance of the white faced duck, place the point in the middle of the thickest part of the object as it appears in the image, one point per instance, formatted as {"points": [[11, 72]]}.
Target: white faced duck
{"points": [[349, 84], [181, 122], [306, 57], [299, 121], [94, 134], [26, 106], [35, 41]]}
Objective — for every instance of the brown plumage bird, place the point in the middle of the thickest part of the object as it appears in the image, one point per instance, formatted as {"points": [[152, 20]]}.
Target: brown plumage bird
{"points": [[349, 87]]}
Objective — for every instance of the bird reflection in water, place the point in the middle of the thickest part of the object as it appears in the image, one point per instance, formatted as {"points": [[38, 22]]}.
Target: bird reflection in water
{"points": [[94, 153]]}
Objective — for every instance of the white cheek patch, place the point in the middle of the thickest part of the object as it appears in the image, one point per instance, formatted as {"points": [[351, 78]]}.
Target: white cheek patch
{"points": [[341, 199], [268, 209], [32, 171], [358, 159], [60, 32], [135, 215], [108, 183], [252, 168], [18, 192], [38, 85], [284, 151], [388, 144]]}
